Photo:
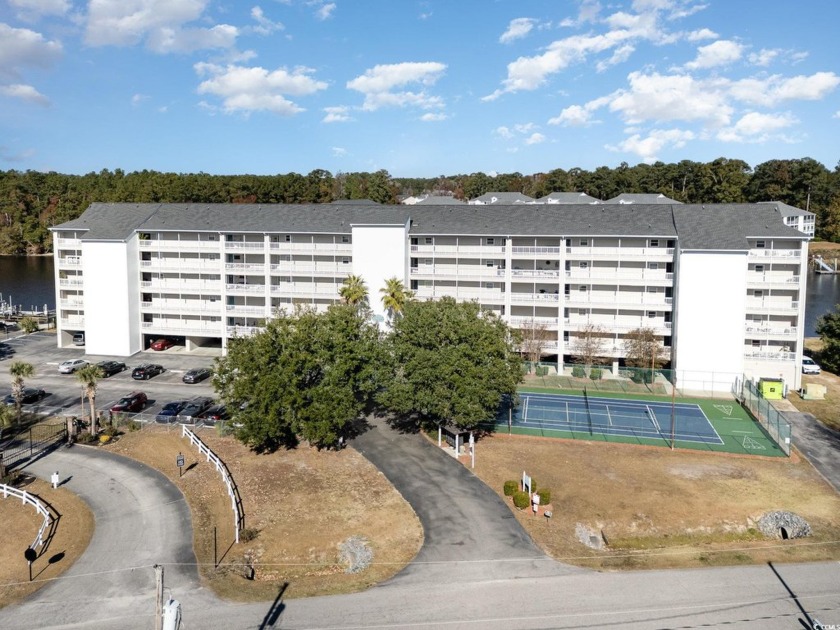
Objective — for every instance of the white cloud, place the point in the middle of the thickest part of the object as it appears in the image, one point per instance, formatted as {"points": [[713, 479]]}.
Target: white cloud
{"points": [[756, 127], [763, 57], [701, 34], [524, 127], [621, 54], [25, 93], [137, 99], [535, 138], [21, 48], [517, 29], [504, 132], [325, 12], [337, 114], [7, 155], [339, 151], [264, 25], [719, 53], [572, 116], [769, 91], [257, 89], [29, 9], [433, 117], [161, 24], [378, 83], [648, 147]]}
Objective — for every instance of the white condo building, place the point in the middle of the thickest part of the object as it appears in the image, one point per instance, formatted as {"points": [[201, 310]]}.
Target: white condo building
{"points": [[722, 285]]}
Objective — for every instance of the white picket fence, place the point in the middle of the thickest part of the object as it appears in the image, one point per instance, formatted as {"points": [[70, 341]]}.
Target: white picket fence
{"points": [[31, 499], [233, 492]]}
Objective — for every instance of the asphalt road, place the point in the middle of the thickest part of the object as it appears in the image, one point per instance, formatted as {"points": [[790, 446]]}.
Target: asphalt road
{"points": [[818, 443]]}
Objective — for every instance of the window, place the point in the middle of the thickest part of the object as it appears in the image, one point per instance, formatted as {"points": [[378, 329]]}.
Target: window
{"points": [[427, 261], [653, 266], [760, 244], [654, 242], [211, 237], [428, 240], [489, 285], [414, 285], [583, 264], [491, 241], [759, 268], [758, 293], [566, 336], [345, 239], [288, 238], [756, 343], [651, 314], [654, 289], [582, 312], [490, 263], [582, 288], [584, 242], [345, 260]]}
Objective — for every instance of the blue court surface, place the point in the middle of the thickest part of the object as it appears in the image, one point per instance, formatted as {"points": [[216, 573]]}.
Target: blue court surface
{"points": [[613, 416]]}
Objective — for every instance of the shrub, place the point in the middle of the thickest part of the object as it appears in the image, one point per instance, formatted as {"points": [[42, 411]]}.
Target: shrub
{"points": [[248, 534], [521, 499], [110, 431], [85, 438], [541, 370], [511, 486], [132, 425], [595, 374], [104, 438], [28, 325], [11, 478], [545, 496], [578, 372]]}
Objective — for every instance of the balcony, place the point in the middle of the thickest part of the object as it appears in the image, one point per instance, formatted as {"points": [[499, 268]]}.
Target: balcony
{"points": [[70, 282], [769, 305], [246, 267], [474, 251], [458, 271], [72, 303], [587, 298], [659, 327], [179, 246], [639, 276], [242, 331], [207, 329], [243, 310], [182, 286], [72, 322], [517, 274], [319, 248], [786, 280], [306, 288], [69, 261], [181, 306], [534, 297], [621, 253], [244, 245], [307, 267], [763, 254], [769, 355], [247, 289], [532, 252], [182, 265], [69, 242], [550, 323], [785, 332]]}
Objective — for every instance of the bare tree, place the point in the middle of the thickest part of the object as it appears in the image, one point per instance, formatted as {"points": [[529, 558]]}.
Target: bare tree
{"points": [[644, 349], [588, 347], [535, 335]]}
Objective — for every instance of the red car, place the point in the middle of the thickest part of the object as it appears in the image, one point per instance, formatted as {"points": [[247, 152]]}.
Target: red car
{"points": [[161, 344], [134, 402]]}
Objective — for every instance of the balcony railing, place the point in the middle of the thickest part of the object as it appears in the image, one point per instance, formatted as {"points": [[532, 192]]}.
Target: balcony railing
{"points": [[775, 253], [641, 275], [72, 322], [173, 245], [242, 331], [536, 250], [321, 248], [771, 331], [244, 245], [181, 286], [70, 282], [772, 278], [534, 297], [241, 309], [180, 326], [69, 242], [534, 321], [484, 251], [769, 355], [292, 267], [258, 267], [772, 305], [246, 288], [620, 252], [188, 306], [70, 261], [532, 273], [181, 265]]}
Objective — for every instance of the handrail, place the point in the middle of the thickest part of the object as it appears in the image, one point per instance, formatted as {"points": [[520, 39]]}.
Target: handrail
{"points": [[32, 500], [233, 491]]}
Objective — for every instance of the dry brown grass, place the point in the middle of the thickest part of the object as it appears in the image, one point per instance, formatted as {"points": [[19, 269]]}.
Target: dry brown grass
{"points": [[826, 410], [659, 508], [20, 525], [302, 502]]}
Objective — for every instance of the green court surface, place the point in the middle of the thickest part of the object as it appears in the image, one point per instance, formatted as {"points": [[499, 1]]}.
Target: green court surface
{"points": [[738, 431]]}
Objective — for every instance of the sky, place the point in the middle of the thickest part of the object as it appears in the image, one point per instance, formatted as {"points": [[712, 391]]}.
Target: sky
{"points": [[419, 89]]}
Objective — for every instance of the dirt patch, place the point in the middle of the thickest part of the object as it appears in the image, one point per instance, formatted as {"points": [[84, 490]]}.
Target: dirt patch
{"points": [[659, 508], [302, 504], [827, 410], [20, 525]]}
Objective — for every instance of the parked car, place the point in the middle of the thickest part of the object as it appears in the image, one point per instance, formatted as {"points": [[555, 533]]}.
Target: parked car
{"points": [[161, 344], [170, 411], [132, 403], [109, 368], [68, 367], [146, 371], [29, 395], [196, 375], [193, 408], [79, 339], [809, 366], [214, 414]]}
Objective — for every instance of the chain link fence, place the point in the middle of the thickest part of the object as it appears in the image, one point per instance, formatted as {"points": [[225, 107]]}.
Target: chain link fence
{"points": [[766, 415]]}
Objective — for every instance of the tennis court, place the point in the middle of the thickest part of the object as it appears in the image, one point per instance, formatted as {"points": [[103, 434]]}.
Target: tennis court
{"points": [[684, 422]]}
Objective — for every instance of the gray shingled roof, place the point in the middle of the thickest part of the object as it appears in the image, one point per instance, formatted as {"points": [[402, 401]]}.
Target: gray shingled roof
{"points": [[439, 200], [546, 220], [502, 198], [728, 226], [568, 197], [788, 211], [641, 198], [712, 227]]}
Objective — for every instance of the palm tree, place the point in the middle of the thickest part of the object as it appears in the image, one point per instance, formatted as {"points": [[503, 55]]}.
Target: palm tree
{"points": [[354, 291], [19, 370], [394, 297], [89, 376]]}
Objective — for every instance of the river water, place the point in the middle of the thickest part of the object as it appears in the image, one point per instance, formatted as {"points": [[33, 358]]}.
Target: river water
{"points": [[28, 282]]}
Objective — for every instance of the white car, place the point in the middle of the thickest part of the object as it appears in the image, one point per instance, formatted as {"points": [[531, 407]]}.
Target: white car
{"points": [[68, 367], [809, 366]]}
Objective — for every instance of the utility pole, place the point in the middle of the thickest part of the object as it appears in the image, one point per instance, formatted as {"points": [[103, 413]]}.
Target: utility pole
{"points": [[158, 597]]}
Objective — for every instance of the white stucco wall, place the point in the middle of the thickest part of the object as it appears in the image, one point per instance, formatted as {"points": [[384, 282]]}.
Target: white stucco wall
{"points": [[111, 298], [710, 314], [380, 252]]}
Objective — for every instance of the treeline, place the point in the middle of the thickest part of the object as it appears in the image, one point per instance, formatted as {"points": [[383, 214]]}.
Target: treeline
{"points": [[31, 202]]}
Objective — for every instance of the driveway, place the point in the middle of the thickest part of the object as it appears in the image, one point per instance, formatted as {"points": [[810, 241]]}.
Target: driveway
{"points": [[818, 443], [141, 519]]}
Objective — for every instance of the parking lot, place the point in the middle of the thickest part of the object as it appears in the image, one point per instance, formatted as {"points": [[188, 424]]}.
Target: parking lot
{"points": [[64, 391]]}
